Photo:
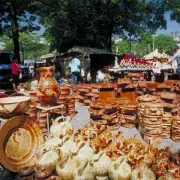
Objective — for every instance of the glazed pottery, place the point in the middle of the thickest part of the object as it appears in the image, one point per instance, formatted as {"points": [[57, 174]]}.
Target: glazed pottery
{"points": [[48, 159], [65, 168], [119, 170], [84, 172], [14, 105], [85, 153], [101, 164], [142, 174], [20, 140], [59, 128], [48, 90]]}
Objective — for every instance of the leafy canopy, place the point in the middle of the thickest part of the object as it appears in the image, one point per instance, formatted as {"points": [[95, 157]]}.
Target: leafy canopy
{"points": [[94, 22], [32, 46]]}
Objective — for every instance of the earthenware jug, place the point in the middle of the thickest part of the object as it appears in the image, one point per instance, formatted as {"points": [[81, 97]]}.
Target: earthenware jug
{"points": [[48, 90]]}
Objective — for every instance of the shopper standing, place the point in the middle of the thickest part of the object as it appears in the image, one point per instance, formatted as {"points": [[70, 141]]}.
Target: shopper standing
{"points": [[15, 69], [87, 62], [74, 65]]}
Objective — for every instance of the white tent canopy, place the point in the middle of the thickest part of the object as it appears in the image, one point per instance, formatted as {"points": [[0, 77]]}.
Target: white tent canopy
{"points": [[153, 54]]}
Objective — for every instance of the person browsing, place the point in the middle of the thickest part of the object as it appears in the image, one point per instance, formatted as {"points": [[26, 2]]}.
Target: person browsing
{"points": [[15, 70], [74, 65]]}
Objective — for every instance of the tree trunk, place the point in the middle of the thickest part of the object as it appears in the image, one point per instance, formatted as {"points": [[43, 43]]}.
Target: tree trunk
{"points": [[109, 42], [109, 26], [15, 30]]}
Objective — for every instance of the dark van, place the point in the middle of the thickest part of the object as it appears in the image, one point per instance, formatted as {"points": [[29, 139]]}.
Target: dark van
{"points": [[5, 68]]}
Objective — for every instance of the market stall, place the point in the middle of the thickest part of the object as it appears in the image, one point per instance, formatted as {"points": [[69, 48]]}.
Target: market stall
{"points": [[154, 64], [102, 131]]}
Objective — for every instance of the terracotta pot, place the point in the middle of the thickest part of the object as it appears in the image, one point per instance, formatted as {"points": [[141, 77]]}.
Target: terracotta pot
{"points": [[48, 89]]}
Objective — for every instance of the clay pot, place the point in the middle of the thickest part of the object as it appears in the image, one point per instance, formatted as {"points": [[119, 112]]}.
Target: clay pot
{"points": [[48, 88]]}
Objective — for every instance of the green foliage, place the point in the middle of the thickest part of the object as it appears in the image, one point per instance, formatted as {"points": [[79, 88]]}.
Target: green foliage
{"points": [[6, 43], [165, 42], [32, 46], [144, 45], [121, 47], [93, 22], [173, 6], [16, 16]]}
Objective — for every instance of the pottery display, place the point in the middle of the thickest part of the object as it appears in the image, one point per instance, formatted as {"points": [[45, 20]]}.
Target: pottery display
{"points": [[65, 168], [48, 159], [60, 126], [20, 139], [120, 169], [84, 172], [48, 90], [10, 106]]}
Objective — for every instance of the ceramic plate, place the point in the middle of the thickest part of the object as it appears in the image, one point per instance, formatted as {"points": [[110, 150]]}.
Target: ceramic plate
{"points": [[20, 139]]}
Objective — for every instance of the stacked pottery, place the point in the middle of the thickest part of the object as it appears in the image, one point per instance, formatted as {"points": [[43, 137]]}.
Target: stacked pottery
{"points": [[142, 101], [71, 106], [176, 129], [151, 88], [142, 88], [166, 125], [84, 94], [65, 92], [95, 91], [43, 121], [136, 77], [128, 115], [123, 83], [170, 102], [152, 119]]}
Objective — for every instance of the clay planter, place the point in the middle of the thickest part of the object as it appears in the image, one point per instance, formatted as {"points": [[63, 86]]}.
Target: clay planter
{"points": [[48, 89]]}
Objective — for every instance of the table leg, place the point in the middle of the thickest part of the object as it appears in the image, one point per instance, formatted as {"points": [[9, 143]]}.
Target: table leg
{"points": [[47, 114], [38, 115]]}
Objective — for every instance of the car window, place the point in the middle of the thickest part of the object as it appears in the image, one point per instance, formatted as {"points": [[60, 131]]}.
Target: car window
{"points": [[5, 58]]}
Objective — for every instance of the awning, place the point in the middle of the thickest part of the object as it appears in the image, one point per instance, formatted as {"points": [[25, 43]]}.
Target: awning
{"points": [[153, 54]]}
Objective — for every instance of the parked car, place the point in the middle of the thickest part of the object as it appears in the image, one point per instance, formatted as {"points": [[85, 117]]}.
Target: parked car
{"points": [[5, 68]]}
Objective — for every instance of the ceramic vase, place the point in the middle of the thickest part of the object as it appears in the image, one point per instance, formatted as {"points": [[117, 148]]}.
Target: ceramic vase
{"points": [[48, 90]]}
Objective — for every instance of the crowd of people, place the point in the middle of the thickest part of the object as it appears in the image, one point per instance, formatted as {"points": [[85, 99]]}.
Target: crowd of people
{"points": [[78, 72]]}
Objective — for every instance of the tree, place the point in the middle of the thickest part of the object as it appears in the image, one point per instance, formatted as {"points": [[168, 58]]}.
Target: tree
{"points": [[121, 47], [173, 6], [143, 45], [32, 46], [15, 18], [94, 22], [165, 42]]}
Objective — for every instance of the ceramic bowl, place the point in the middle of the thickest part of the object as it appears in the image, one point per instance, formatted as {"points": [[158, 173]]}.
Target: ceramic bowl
{"points": [[14, 105]]}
